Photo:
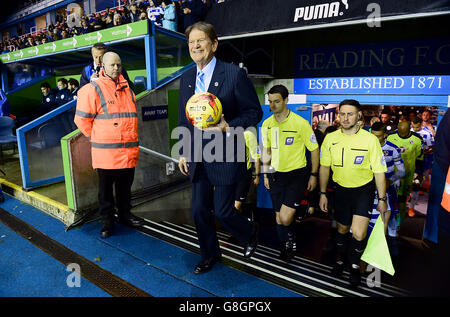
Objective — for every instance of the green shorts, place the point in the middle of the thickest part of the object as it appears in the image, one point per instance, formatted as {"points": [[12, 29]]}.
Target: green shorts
{"points": [[405, 185]]}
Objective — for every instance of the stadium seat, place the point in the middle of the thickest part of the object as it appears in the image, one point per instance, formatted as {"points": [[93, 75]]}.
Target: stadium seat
{"points": [[50, 134], [140, 84], [6, 135]]}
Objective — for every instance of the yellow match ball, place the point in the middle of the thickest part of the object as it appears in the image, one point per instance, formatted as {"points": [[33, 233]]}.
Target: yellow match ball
{"points": [[203, 110]]}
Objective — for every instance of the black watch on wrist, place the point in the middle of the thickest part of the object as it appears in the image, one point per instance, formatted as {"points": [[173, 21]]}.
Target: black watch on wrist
{"points": [[323, 193], [383, 199], [315, 174]]}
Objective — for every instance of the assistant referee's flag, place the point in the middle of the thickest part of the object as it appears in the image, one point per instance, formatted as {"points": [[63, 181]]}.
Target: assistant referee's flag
{"points": [[377, 251]]}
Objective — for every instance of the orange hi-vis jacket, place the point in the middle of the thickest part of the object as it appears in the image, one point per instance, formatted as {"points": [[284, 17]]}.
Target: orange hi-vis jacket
{"points": [[446, 195], [106, 113]]}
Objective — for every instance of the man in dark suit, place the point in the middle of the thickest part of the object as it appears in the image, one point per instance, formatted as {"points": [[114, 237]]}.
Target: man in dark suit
{"points": [[193, 11], [214, 181], [91, 72], [48, 102], [63, 94]]}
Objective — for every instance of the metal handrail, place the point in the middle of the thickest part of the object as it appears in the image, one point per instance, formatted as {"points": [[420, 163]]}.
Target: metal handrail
{"points": [[157, 154]]}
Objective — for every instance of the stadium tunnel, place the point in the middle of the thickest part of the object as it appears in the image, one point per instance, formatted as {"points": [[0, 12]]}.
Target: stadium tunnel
{"points": [[57, 177], [402, 62]]}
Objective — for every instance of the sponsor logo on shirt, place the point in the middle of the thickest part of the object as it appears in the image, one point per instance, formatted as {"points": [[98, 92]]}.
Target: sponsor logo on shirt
{"points": [[312, 138], [358, 160], [289, 140]]}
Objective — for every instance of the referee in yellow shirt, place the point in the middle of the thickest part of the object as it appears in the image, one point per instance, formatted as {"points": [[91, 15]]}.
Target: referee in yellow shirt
{"points": [[284, 138], [251, 155], [356, 159]]}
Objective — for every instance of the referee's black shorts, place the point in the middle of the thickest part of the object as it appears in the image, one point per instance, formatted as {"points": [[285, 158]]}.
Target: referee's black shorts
{"points": [[288, 188], [353, 201], [243, 186]]}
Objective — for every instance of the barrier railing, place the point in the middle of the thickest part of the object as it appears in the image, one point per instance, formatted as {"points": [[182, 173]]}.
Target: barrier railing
{"points": [[40, 148]]}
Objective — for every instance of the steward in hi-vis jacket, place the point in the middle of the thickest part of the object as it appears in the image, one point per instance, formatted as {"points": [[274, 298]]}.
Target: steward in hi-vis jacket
{"points": [[106, 114]]}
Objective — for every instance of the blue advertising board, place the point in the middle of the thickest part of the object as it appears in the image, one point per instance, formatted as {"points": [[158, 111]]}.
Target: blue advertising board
{"points": [[399, 58], [411, 85]]}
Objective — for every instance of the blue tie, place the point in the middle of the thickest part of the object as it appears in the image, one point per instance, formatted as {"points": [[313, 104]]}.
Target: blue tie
{"points": [[200, 83]]}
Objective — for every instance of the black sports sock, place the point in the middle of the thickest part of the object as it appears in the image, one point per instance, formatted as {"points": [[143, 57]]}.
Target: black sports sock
{"points": [[356, 250], [283, 232], [291, 231], [341, 246]]}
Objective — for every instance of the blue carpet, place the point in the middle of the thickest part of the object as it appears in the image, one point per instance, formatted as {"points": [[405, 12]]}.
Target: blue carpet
{"points": [[157, 267], [25, 271]]}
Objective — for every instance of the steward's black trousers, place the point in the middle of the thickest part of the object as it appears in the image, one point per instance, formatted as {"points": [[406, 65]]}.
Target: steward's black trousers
{"points": [[121, 180]]}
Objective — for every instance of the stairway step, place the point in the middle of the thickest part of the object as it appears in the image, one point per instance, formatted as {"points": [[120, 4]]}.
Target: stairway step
{"points": [[303, 276]]}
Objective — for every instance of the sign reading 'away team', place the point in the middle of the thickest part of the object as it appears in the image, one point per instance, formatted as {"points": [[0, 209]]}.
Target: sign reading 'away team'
{"points": [[155, 113], [111, 34]]}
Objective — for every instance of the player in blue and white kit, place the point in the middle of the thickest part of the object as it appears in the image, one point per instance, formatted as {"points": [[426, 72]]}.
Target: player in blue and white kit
{"points": [[155, 14], [395, 171], [428, 143]]}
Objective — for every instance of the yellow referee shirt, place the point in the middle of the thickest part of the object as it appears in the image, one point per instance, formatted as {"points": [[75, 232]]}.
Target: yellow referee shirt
{"points": [[287, 141], [252, 151], [353, 158]]}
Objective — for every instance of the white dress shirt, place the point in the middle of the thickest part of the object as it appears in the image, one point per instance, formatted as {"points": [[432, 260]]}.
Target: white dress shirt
{"points": [[208, 72]]}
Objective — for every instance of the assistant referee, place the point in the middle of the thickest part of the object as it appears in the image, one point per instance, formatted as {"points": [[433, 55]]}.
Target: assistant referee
{"points": [[285, 136], [356, 158]]}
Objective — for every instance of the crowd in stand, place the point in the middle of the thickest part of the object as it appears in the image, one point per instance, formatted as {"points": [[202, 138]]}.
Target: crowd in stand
{"points": [[175, 15], [28, 3]]}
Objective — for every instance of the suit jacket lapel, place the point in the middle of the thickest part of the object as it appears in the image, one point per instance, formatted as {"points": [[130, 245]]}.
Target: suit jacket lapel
{"points": [[217, 78], [190, 82]]}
